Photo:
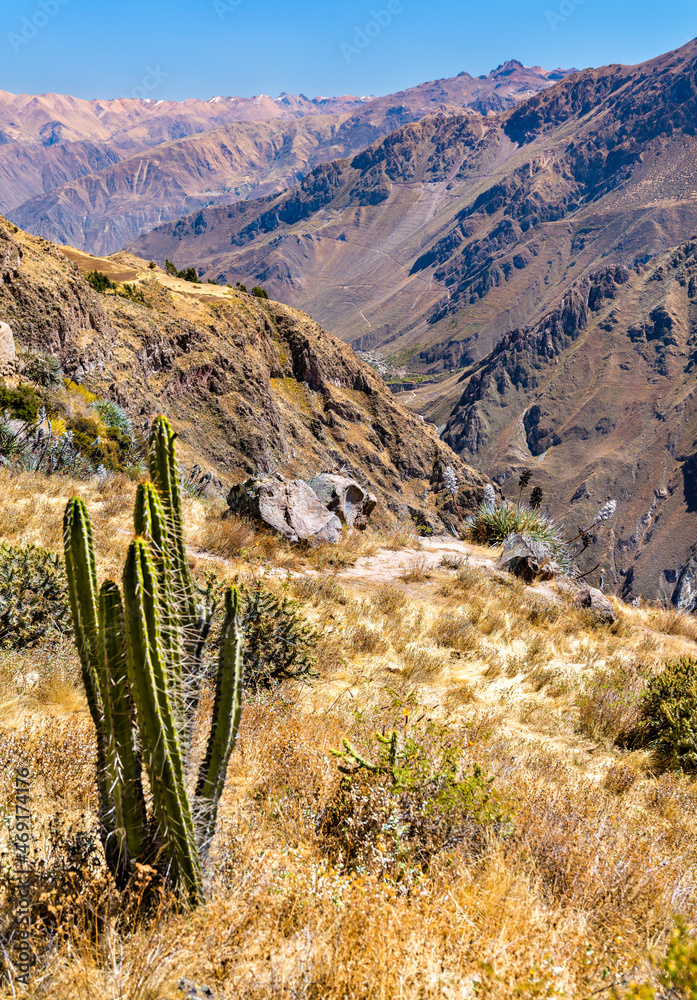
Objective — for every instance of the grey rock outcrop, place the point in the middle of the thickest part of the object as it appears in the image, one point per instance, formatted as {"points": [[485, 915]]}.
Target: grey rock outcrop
{"points": [[685, 594], [289, 506], [596, 601], [346, 498], [8, 352], [527, 558]]}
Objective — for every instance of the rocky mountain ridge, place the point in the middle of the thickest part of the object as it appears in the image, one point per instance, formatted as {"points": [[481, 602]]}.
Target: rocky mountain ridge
{"points": [[64, 161], [448, 233], [250, 385], [599, 400]]}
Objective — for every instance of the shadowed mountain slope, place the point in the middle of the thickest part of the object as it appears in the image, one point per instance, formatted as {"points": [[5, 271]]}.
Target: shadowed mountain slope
{"points": [[599, 399]]}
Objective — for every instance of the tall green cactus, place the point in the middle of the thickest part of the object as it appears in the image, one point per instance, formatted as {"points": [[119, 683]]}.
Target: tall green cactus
{"points": [[141, 666]]}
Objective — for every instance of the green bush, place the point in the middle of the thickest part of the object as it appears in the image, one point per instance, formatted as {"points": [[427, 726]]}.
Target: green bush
{"points": [[33, 596], [279, 641], [491, 524], [42, 369], [21, 403], [668, 723], [186, 273], [99, 281], [260, 292], [112, 415], [393, 815], [89, 440]]}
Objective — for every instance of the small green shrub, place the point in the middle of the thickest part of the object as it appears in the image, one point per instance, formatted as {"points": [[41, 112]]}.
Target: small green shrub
{"points": [[677, 973], [21, 403], [33, 596], [260, 292], [42, 369], [107, 450], [186, 273], [394, 814], [279, 641], [668, 723], [99, 281], [112, 415]]}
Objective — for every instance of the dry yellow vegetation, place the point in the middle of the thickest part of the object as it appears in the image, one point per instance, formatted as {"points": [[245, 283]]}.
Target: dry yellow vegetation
{"points": [[564, 885]]}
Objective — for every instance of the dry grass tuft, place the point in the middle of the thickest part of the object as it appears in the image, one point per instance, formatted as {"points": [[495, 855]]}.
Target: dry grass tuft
{"points": [[228, 537], [674, 621], [416, 570]]}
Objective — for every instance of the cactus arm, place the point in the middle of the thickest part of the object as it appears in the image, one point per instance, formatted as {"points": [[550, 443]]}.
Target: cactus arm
{"points": [[123, 758], [165, 476], [147, 676], [194, 621], [225, 721], [81, 572], [150, 523]]}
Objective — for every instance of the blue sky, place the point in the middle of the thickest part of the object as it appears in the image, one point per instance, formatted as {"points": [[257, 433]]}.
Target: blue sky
{"points": [[201, 48]]}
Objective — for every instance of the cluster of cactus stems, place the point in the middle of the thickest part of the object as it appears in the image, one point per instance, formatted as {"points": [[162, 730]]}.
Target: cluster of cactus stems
{"points": [[142, 651]]}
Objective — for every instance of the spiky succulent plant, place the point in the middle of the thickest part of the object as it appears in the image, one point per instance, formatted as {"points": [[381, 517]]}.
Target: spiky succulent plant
{"points": [[142, 658]]}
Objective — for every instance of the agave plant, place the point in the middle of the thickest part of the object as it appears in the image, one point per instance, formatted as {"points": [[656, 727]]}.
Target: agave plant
{"points": [[142, 665]]}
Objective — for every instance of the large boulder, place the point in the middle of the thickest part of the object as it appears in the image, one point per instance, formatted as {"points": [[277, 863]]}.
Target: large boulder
{"points": [[527, 558], [596, 601], [8, 352], [289, 506], [345, 498]]}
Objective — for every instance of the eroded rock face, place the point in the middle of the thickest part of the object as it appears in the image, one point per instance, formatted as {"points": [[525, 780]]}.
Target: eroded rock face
{"points": [[685, 594], [346, 498], [8, 352], [289, 506]]}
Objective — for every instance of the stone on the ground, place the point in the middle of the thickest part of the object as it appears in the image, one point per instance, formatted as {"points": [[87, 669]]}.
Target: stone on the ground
{"points": [[289, 506], [8, 352], [192, 991], [598, 603], [527, 558], [346, 498]]}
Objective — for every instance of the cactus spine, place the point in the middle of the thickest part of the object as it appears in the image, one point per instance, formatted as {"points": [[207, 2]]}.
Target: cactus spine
{"points": [[141, 666]]}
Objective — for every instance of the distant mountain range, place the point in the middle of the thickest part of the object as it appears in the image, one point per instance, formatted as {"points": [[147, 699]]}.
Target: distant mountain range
{"points": [[436, 240], [97, 174]]}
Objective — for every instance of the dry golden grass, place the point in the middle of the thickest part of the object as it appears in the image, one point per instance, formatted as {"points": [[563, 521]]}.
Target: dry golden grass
{"points": [[571, 895]]}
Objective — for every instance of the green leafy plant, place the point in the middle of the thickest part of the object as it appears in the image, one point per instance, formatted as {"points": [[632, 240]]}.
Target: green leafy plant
{"points": [[142, 667], [112, 415], [260, 292], [21, 406], [677, 972], [42, 369], [33, 596], [279, 641], [415, 799], [668, 723]]}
